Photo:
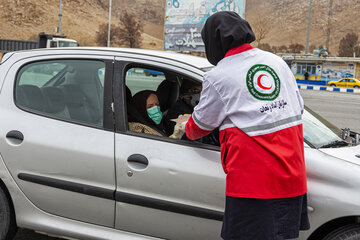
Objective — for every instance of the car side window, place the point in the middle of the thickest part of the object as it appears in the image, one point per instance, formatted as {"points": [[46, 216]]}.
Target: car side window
{"points": [[64, 89], [175, 95]]}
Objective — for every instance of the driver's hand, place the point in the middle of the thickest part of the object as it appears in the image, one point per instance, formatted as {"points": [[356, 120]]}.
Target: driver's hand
{"points": [[179, 130]]}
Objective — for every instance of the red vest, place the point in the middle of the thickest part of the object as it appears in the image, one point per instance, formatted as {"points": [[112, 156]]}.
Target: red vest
{"points": [[253, 98]]}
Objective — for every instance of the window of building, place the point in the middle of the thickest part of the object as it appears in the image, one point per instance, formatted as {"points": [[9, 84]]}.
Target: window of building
{"points": [[302, 68]]}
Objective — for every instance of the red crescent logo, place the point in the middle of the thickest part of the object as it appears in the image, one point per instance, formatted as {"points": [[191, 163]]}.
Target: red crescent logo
{"points": [[260, 84]]}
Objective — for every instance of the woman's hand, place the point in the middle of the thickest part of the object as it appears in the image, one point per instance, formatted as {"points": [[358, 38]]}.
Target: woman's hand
{"points": [[179, 129]]}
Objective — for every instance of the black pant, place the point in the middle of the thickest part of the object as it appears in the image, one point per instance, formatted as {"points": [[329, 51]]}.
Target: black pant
{"points": [[264, 219]]}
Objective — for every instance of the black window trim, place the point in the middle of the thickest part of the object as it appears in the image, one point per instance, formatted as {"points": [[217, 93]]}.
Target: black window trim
{"points": [[120, 68], [123, 197], [108, 117]]}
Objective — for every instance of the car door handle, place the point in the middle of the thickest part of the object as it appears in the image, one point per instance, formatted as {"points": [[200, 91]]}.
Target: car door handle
{"points": [[15, 137], [15, 134], [137, 162]]}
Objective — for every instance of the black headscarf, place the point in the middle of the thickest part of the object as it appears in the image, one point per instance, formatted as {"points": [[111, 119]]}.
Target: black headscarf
{"points": [[224, 31], [139, 102]]}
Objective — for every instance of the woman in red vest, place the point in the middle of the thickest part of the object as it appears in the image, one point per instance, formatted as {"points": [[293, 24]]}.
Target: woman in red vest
{"points": [[252, 96]]}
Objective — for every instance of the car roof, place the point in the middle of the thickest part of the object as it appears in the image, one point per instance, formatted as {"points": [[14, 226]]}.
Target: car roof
{"points": [[198, 62], [349, 78]]}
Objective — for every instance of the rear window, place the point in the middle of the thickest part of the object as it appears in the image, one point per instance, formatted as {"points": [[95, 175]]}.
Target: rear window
{"points": [[64, 89]]}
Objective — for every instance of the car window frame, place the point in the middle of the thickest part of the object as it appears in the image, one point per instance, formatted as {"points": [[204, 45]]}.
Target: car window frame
{"points": [[108, 118], [121, 121]]}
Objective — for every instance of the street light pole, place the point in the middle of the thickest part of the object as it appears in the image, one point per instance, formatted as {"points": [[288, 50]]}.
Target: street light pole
{"points": [[329, 25], [308, 29], [60, 15], [109, 27], [244, 8]]}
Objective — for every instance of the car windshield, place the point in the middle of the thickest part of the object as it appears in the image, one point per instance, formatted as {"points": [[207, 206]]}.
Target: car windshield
{"points": [[206, 69], [318, 132]]}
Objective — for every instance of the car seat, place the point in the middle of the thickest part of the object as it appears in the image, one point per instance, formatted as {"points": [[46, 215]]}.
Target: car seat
{"points": [[31, 97], [55, 102], [168, 93], [78, 105]]}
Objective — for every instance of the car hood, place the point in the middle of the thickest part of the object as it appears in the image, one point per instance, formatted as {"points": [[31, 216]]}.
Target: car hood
{"points": [[351, 154]]}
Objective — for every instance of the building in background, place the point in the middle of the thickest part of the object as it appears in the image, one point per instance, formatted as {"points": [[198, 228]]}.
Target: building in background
{"points": [[184, 20], [323, 69]]}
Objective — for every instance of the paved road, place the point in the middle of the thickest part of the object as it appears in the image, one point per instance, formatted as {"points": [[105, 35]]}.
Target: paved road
{"points": [[24, 234], [342, 109]]}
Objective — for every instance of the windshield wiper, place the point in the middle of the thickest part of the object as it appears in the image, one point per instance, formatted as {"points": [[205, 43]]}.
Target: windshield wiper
{"points": [[336, 143]]}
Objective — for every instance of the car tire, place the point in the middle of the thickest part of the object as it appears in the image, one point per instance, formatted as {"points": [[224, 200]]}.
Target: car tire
{"points": [[332, 85], [8, 226], [356, 87], [348, 232]]}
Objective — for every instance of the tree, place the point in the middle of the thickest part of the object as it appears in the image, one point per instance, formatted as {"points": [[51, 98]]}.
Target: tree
{"points": [[296, 48], [103, 3], [283, 49], [129, 34], [261, 29], [312, 47], [265, 47], [349, 45], [102, 34], [33, 37]]}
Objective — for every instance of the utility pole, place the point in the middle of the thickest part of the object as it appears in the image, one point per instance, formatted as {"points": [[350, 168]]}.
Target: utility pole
{"points": [[329, 26], [109, 27], [60, 15], [308, 29], [244, 8]]}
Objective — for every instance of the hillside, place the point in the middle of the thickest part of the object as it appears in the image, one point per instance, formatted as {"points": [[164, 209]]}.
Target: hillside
{"points": [[24, 19], [289, 20]]}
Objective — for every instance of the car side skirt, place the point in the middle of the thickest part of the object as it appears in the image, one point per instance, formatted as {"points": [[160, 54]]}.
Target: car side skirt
{"points": [[123, 197]]}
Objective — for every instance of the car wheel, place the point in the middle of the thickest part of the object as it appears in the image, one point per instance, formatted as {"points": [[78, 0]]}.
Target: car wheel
{"points": [[332, 85], [7, 217], [356, 87], [349, 232]]}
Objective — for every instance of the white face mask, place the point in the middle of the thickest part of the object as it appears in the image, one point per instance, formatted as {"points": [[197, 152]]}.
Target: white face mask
{"points": [[195, 99]]}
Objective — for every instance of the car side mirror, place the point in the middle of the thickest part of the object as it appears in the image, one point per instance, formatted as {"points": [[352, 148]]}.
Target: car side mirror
{"points": [[345, 133]]}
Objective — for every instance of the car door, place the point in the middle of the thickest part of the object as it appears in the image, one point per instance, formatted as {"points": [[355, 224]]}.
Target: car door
{"points": [[59, 144], [167, 188], [343, 83], [351, 83]]}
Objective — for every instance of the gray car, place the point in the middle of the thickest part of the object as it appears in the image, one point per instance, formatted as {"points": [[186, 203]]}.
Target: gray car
{"points": [[70, 166]]}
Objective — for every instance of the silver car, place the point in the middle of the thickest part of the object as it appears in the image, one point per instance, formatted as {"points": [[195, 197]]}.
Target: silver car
{"points": [[70, 166]]}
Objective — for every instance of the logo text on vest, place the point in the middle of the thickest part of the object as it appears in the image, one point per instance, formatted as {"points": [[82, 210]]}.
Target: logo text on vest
{"points": [[263, 83]]}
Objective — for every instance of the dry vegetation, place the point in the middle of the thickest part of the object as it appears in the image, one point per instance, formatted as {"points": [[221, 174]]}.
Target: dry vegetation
{"points": [[23, 19], [82, 19], [289, 21]]}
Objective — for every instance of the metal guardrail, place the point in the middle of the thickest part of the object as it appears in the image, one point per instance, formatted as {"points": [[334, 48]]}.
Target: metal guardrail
{"points": [[328, 88], [9, 45]]}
